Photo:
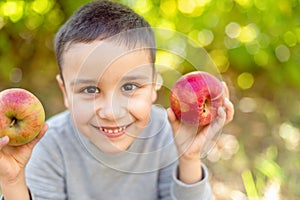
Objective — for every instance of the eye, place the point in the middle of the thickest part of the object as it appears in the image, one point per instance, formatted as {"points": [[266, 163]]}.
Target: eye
{"points": [[91, 90], [129, 87]]}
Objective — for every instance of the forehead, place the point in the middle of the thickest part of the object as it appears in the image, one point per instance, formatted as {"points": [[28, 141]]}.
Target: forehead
{"points": [[101, 58]]}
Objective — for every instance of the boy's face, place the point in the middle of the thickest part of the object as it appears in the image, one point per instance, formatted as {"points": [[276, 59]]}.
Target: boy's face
{"points": [[109, 91]]}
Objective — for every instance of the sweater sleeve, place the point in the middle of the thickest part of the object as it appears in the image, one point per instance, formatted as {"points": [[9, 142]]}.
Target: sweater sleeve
{"points": [[178, 190], [200, 190]]}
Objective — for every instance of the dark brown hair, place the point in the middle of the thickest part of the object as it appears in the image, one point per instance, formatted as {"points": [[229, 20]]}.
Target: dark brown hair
{"points": [[101, 20]]}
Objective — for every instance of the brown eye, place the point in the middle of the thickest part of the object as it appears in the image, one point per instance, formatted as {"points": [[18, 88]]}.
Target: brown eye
{"points": [[129, 87], [91, 90]]}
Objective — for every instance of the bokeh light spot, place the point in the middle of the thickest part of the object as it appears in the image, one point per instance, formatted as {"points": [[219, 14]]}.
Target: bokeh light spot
{"points": [[142, 6], [220, 59], [290, 134], [34, 21], [13, 9], [248, 33], [16, 75], [290, 38], [166, 60], [41, 6], [192, 7], [261, 58], [245, 3], [245, 80], [252, 47], [247, 105], [233, 30], [168, 7], [282, 53], [205, 37]]}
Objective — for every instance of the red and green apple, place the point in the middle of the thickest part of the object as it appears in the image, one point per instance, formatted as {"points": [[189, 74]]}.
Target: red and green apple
{"points": [[22, 116], [195, 98]]}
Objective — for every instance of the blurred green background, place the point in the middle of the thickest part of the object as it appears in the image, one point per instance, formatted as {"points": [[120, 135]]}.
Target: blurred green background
{"points": [[255, 47]]}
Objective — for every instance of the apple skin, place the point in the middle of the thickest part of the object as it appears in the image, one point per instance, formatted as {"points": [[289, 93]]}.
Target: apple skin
{"points": [[22, 116], [195, 98]]}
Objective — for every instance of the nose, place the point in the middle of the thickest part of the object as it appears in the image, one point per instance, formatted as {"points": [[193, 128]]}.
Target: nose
{"points": [[111, 108]]}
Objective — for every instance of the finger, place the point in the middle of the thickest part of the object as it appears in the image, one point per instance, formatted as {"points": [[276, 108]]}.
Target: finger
{"points": [[221, 115], [171, 115], [215, 125], [219, 123], [181, 132], [209, 135], [211, 132], [4, 141], [173, 121], [229, 110]]}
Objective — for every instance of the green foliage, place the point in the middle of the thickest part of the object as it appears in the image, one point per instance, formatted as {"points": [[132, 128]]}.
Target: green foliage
{"points": [[255, 47]]}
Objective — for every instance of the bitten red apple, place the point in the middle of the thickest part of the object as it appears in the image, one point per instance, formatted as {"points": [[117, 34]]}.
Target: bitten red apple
{"points": [[22, 116], [195, 98]]}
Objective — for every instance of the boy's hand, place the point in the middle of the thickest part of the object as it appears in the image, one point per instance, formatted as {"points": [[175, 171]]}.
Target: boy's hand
{"points": [[13, 159], [191, 140]]}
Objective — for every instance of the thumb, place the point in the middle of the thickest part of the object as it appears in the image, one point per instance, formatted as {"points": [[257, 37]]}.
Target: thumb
{"points": [[4, 141], [175, 123], [171, 115]]}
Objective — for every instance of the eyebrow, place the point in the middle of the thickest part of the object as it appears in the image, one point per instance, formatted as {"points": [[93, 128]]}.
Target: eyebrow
{"points": [[135, 77], [82, 81], [125, 78]]}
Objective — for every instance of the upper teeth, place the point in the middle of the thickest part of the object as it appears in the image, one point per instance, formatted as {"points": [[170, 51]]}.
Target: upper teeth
{"points": [[113, 130]]}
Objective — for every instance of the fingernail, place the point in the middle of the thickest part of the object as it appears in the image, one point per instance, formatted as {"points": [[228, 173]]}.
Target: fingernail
{"points": [[221, 111], [4, 139]]}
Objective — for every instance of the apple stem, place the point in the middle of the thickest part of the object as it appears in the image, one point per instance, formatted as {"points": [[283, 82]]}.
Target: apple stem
{"points": [[13, 122]]}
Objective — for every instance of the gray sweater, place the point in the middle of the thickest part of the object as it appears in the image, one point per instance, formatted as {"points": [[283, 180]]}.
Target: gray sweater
{"points": [[66, 165]]}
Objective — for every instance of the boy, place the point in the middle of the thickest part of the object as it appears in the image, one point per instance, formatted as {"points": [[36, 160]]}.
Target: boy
{"points": [[111, 143]]}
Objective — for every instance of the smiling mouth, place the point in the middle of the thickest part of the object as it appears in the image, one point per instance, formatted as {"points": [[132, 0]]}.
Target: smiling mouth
{"points": [[113, 132]]}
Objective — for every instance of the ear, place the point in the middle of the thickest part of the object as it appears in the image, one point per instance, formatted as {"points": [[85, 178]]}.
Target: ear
{"points": [[63, 89], [157, 83]]}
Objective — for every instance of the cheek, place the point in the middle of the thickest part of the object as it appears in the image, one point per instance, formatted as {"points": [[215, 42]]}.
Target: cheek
{"points": [[140, 108], [81, 111]]}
